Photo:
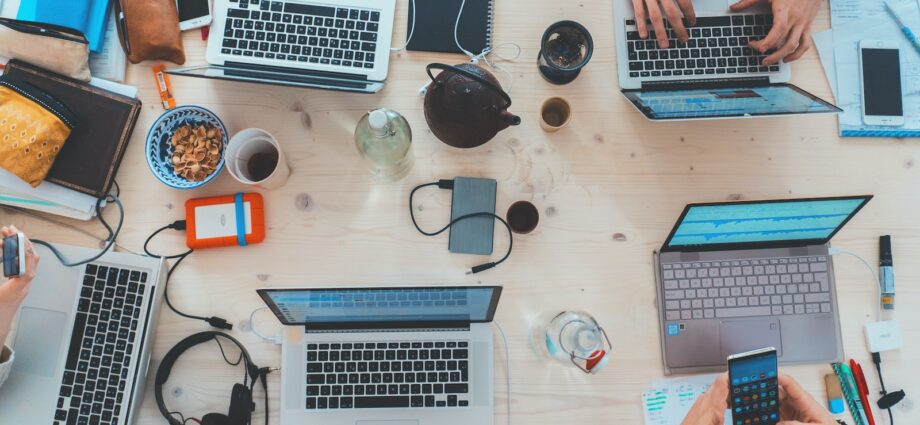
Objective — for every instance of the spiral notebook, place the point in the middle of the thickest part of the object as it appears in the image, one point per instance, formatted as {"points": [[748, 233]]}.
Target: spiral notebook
{"points": [[435, 20]]}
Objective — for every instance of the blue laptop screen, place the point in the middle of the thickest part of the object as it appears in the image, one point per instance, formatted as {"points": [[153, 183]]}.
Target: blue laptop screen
{"points": [[727, 102], [382, 305], [732, 223]]}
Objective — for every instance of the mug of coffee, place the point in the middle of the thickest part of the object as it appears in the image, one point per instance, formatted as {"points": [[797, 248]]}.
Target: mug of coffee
{"points": [[555, 114], [523, 217], [254, 157]]}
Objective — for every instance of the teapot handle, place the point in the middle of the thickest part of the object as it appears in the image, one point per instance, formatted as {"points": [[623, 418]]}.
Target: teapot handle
{"points": [[471, 76]]}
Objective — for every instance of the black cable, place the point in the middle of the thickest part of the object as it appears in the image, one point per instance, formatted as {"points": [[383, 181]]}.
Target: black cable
{"points": [[449, 184], [214, 321], [888, 400], [109, 240]]}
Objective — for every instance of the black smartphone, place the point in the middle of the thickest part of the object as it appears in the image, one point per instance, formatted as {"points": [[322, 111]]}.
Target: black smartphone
{"points": [[753, 387], [14, 255]]}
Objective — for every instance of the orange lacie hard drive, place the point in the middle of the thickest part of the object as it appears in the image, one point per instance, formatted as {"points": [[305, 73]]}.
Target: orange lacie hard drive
{"points": [[225, 221]]}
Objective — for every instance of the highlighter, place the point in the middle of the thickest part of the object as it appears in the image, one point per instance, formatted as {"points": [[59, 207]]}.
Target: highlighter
{"points": [[886, 272]]}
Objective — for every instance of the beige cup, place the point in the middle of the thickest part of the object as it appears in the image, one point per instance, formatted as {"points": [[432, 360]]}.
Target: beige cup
{"points": [[555, 113], [255, 158]]}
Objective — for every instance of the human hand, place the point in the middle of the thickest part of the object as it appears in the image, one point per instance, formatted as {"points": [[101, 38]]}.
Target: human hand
{"points": [[791, 32], [652, 9], [15, 289], [709, 408], [798, 407]]}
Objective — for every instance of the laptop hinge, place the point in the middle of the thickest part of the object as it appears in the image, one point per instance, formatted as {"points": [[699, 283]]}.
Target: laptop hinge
{"points": [[297, 71], [715, 83], [419, 326]]}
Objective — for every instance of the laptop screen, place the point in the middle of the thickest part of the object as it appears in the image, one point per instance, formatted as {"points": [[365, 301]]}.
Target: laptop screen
{"points": [[742, 224], [690, 103], [381, 306]]}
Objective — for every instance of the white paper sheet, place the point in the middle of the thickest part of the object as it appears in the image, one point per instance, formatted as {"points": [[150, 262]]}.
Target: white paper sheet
{"points": [[669, 400]]}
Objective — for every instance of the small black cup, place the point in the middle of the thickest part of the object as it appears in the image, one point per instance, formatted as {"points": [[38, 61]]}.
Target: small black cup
{"points": [[523, 217], [566, 48]]}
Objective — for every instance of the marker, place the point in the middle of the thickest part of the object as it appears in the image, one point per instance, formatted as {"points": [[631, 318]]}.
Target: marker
{"points": [[863, 389], [886, 272], [911, 37], [851, 393]]}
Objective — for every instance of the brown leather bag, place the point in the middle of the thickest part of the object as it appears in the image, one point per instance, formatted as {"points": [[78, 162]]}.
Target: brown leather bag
{"points": [[149, 29]]}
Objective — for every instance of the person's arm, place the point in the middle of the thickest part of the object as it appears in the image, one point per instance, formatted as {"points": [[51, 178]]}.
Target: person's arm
{"points": [[12, 292]]}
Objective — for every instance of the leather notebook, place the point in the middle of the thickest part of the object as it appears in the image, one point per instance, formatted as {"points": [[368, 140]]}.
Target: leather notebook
{"points": [[435, 20], [103, 122]]}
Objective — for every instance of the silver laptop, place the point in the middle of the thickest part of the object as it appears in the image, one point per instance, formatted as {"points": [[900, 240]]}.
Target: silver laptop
{"points": [[386, 356], [714, 75], [82, 340], [737, 276], [337, 45]]}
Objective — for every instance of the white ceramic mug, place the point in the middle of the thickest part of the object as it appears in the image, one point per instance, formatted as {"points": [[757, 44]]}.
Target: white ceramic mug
{"points": [[254, 141], [555, 113]]}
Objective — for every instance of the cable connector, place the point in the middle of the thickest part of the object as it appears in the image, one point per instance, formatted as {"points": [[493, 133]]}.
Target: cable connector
{"points": [[481, 268], [178, 225], [219, 323], [446, 184]]}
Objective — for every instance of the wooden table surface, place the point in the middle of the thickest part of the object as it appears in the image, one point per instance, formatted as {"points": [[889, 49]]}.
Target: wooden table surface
{"points": [[608, 187]]}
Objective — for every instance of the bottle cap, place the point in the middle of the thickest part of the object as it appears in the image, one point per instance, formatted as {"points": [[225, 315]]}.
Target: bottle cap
{"points": [[378, 119]]}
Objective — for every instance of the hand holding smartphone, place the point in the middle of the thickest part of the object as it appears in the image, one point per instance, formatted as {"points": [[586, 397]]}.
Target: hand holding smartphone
{"points": [[754, 387], [14, 255]]}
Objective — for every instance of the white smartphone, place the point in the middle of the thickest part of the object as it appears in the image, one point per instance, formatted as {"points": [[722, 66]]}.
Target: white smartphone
{"points": [[880, 73], [193, 13]]}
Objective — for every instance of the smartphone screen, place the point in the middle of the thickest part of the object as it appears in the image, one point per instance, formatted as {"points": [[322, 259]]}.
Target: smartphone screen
{"points": [[11, 260], [754, 391], [192, 9], [882, 82]]}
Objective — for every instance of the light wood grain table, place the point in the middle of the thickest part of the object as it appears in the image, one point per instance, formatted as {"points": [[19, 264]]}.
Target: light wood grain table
{"points": [[609, 187]]}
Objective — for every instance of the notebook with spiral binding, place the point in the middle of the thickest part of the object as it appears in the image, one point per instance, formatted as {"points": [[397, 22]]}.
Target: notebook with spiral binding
{"points": [[434, 26]]}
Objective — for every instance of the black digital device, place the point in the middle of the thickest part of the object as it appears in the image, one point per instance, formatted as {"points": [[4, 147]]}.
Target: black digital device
{"points": [[14, 255], [753, 387], [470, 196], [880, 68]]}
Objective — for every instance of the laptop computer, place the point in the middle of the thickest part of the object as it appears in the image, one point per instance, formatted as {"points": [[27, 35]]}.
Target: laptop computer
{"points": [[737, 276], [83, 338], [336, 45], [402, 355], [714, 75]]}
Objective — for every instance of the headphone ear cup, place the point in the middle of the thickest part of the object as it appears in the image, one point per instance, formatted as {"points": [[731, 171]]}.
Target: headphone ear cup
{"points": [[216, 419], [241, 405]]}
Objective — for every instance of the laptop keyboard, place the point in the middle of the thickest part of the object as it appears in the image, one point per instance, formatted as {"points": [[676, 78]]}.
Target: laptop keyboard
{"points": [[101, 346], [298, 32], [718, 45], [745, 288], [380, 375]]}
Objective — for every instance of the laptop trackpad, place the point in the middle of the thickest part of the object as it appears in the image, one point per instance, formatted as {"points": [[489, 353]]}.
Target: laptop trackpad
{"points": [[38, 340], [404, 422], [738, 336]]}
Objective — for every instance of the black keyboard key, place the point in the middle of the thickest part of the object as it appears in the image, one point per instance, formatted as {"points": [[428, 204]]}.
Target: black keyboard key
{"points": [[316, 379], [75, 340], [235, 13], [307, 9], [382, 402], [456, 388]]}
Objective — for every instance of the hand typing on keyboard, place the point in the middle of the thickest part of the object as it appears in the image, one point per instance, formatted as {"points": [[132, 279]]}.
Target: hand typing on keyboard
{"points": [[14, 290], [790, 36], [656, 11]]}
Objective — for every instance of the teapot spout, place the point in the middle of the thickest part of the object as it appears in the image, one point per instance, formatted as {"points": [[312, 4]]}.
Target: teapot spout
{"points": [[510, 118]]}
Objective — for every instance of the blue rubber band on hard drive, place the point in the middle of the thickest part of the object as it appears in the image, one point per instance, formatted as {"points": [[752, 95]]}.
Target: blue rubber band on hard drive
{"points": [[240, 220]]}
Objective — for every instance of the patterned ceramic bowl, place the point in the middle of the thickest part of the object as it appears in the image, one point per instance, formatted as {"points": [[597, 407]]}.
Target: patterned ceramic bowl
{"points": [[159, 149]]}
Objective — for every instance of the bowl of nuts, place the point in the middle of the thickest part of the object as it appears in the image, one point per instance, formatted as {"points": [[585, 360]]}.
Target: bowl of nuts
{"points": [[185, 147]]}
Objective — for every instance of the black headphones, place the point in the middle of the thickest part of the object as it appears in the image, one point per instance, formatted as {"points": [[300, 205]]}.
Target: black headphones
{"points": [[241, 404]]}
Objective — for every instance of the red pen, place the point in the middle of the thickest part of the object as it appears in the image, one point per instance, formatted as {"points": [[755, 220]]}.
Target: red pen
{"points": [[863, 389]]}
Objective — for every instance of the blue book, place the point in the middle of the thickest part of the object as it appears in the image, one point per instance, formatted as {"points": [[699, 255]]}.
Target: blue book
{"points": [[87, 16]]}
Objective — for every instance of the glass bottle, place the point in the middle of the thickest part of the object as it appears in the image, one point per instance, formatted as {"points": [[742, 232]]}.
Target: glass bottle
{"points": [[384, 139]]}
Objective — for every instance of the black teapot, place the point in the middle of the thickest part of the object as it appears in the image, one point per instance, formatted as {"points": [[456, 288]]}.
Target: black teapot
{"points": [[465, 105]]}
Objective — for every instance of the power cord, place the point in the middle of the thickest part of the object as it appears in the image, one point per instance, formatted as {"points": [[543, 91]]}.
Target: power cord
{"points": [[109, 240], [214, 321], [878, 305], [252, 325], [449, 184], [888, 400], [507, 365]]}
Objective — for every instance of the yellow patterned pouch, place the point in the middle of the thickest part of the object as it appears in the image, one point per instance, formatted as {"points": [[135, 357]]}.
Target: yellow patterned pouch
{"points": [[33, 129]]}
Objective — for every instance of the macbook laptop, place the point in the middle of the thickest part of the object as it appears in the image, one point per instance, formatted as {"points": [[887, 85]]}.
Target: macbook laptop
{"points": [[737, 276], [386, 356], [337, 45], [82, 340], [714, 75]]}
